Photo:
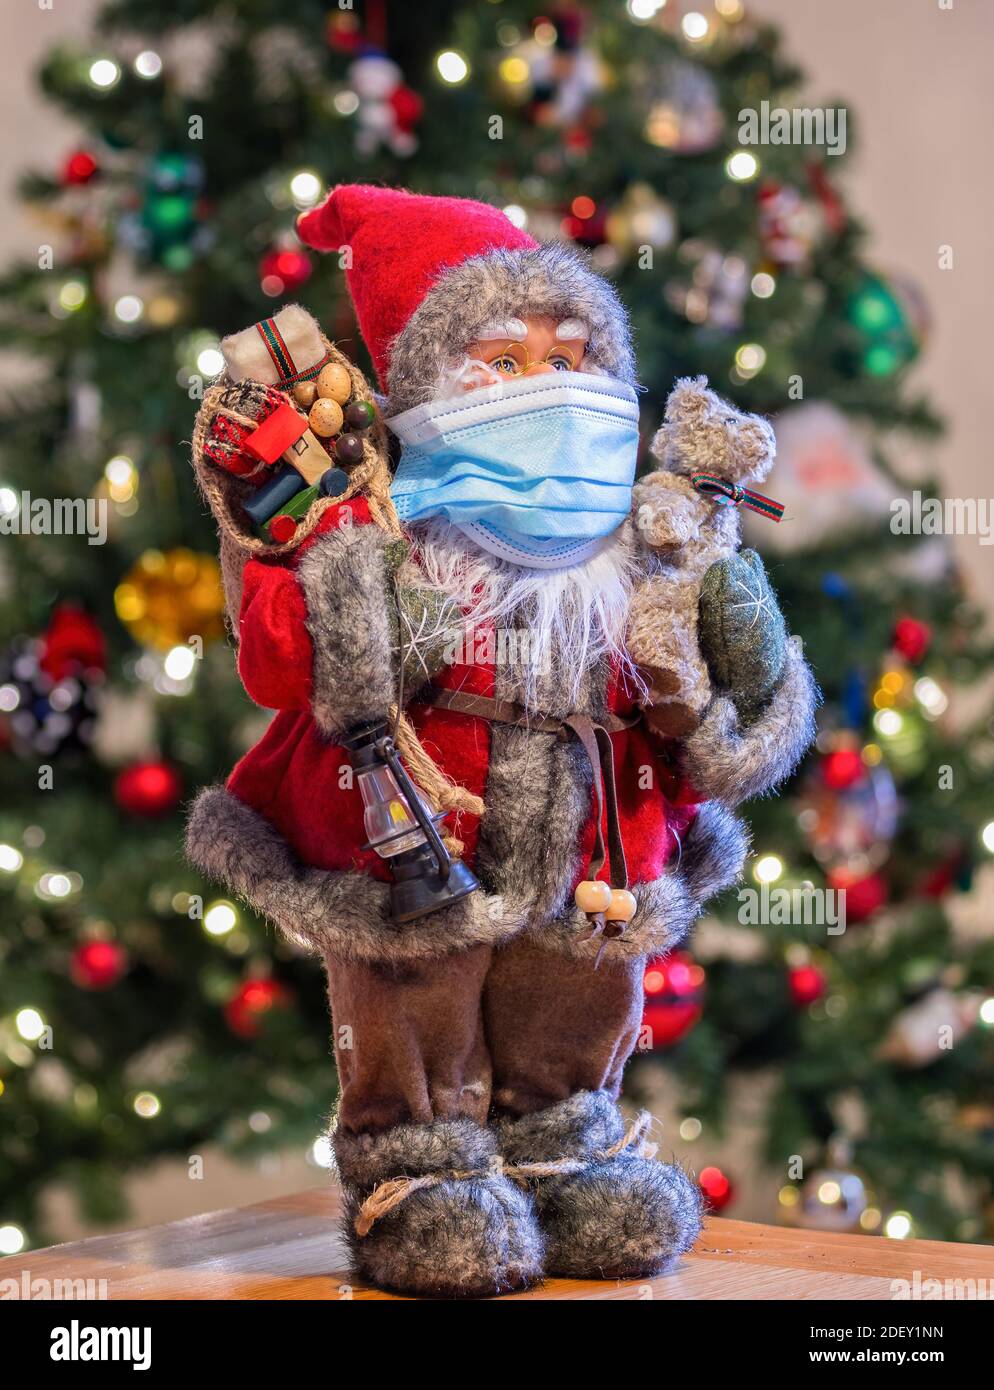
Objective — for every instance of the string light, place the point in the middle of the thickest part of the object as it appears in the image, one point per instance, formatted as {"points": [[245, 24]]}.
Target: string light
{"points": [[513, 71], [741, 166], [694, 26], [452, 66], [72, 295], [763, 285], [147, 1105], [768, 868], [545, 33], [986, 1013], [898, 1225], [732, 10], [305, 188], [129, 308], [931, 696], [516, 215], [30, 1024], [179, 663], [987, 836], [104, 72], [219, 919], [690, 1129], [750, 358], [870, 1219], [122, 478], [11, 1240], [788, 1196], [210, 361], [644, 10], [11, 859], [888, 722], [321, 1152], [148, 64], [346, 102]]}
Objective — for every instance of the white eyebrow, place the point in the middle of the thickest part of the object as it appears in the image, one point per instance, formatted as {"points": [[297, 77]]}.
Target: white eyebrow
{"points": [[513, 329], [572, 328]]}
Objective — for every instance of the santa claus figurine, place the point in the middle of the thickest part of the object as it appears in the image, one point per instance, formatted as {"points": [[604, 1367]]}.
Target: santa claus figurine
{"points": [[483, 1008]]}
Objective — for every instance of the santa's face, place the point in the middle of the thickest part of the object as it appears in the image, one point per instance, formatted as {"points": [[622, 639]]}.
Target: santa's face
{"points": [[525, 347]]}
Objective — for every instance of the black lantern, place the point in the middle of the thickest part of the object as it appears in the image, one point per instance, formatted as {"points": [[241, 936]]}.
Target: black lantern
{"points": [[402, 830]]}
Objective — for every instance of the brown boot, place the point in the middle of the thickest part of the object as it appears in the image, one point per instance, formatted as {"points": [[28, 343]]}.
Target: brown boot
{"points": [[618, 1215], [470, 1233]]}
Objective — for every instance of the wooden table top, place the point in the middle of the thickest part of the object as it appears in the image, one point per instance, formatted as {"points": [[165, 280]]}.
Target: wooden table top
{"points": [[291, 1248]]}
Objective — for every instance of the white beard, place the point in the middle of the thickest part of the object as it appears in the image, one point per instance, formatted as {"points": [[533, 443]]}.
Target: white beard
{"points": [[571, 618]]}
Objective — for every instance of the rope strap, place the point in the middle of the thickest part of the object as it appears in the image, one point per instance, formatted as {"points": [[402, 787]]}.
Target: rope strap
{"points": [[391, 1193]]}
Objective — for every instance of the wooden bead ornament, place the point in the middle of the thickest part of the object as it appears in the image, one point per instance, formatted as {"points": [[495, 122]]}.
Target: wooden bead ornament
{"points": [[622, 906], [334, 383], [592, 896], [326, 417], [305, 393], [349, 449], [360, 415]]}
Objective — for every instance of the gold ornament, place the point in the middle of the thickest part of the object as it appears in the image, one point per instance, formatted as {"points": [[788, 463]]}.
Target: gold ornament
{"points": [[167, 597]]}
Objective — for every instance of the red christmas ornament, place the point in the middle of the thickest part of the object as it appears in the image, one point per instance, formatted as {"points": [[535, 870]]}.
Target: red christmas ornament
{"points": [[97, 964], [912, 639], [72, 643], [674, 998], [79, 168], [246, 1010], [148, 788], [282, 272], [842, 768], [407, 107], [716, 1187], [865, 894], [807, 984]]}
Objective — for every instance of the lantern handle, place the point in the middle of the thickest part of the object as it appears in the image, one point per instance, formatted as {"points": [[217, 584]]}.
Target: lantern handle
{"points": [[387, 750]]}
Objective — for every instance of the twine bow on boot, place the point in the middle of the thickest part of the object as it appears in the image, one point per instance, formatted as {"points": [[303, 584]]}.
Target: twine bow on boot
{"points": [[391, 1193]]}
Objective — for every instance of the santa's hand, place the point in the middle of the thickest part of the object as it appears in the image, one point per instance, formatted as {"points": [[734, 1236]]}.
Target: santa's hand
{"points": [[743, 637]]}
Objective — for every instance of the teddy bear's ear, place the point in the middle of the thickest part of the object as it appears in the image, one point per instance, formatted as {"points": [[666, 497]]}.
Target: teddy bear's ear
{"points": [[689, 401]]}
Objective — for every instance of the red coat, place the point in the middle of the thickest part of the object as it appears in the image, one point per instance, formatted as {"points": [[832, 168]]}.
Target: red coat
{"points": [[298, 779]]}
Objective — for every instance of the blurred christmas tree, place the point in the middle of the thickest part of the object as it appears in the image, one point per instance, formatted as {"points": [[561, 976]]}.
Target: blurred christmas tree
{"points": [[141, 1017]]}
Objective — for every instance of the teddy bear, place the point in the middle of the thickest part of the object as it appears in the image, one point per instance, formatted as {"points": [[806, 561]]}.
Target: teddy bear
{"points": [[701, 584]]}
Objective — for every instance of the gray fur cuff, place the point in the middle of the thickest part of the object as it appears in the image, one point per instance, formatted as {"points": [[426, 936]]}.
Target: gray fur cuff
{"points": [[352, 624], [731, 763], [411, 1150], [584, 1124], [322, 911]]}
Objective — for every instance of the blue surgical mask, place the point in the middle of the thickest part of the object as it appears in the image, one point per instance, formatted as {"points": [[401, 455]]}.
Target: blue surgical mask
{"points": [[537, 470]]}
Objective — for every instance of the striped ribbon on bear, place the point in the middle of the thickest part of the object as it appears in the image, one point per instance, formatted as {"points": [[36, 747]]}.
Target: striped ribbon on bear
{"points": [[713, 486]]}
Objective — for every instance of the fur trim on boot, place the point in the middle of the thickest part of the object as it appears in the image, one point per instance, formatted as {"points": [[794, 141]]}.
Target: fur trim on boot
{"points": [[459, 1237], [619, 1217]]}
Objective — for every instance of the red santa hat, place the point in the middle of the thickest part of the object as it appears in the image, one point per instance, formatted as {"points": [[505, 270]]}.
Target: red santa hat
{"points": [[426, 274]]}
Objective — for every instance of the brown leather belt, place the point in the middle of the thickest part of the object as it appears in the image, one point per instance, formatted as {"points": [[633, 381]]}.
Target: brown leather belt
{"points": [[594, 735]]}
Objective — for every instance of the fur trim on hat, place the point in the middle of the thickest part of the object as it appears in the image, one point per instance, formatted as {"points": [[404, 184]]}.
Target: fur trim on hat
{"points": [[551, 281], [320, 910]]}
